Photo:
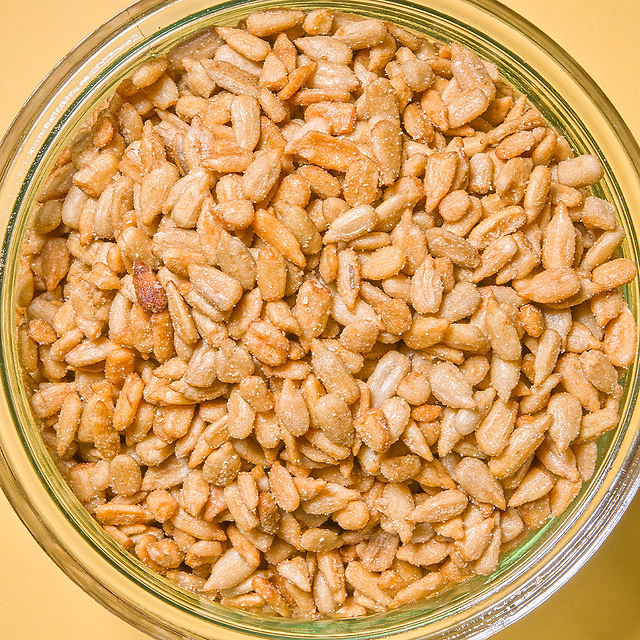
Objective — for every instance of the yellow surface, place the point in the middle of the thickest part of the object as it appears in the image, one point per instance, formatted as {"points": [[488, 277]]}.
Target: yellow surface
{"points": [[601, 602]]}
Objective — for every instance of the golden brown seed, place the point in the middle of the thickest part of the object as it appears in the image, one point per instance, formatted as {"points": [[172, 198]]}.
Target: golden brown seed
{"points": [[325, 151], [372, 428], [272, 274], [273, 232], [222, 466], [331, 413], [558, 246], [554, 285], [620, 339], [55, 262], [266, 343], [581, 171], [283, 488], [291, 409], [312, 308], [384, 263], [614, 273], [425, 332], [439, 175], [441, 507], [360, 184], [268, 23], [333, 373]]}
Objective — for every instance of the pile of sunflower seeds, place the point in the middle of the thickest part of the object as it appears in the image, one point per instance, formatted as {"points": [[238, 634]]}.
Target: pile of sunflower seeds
{"points": [[319, 317]]}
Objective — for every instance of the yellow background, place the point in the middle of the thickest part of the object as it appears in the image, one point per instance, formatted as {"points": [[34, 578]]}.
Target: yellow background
{"points": [[601, 602]]}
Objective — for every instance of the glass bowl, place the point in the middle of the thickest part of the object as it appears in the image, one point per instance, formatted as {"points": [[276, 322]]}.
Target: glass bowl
{"points": [[528, 574]]}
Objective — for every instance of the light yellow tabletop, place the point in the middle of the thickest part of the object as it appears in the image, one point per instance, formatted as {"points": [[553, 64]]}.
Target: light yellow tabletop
{"points": [[602, 602]]}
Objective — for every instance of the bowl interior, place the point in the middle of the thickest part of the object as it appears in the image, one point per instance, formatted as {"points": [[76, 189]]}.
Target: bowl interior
{"points": [[527, 574]]}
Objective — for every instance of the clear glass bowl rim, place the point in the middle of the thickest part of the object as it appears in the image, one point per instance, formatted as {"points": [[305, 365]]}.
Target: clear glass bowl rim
{"points": [[98, 565]]}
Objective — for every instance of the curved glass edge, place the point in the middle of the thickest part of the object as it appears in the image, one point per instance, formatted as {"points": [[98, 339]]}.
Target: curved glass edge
{"points": [[148, 8]]}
